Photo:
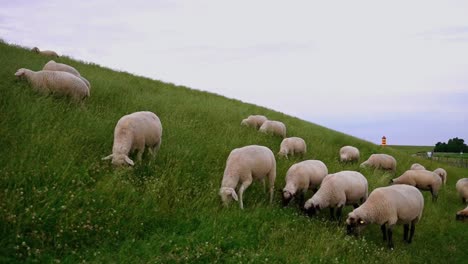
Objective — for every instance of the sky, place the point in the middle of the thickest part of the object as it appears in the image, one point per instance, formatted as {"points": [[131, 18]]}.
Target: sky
{"points": [[367, 68]]}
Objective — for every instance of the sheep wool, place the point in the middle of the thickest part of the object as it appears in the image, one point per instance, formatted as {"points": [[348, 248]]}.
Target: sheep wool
{"points": [[462, 189], [381, 161], [49, 53], [244, 165], [417, 166], [462, 215], [274, 127], [442, 174], [349, 153], [54, 66], [303, 176], [55, 82], [255, 121], [337, 190], [292, 145], [388, 206], [134, 132], [421, 179]]}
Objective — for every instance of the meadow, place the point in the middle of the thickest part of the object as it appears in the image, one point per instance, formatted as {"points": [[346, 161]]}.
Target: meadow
{"points": [[59, 202]]}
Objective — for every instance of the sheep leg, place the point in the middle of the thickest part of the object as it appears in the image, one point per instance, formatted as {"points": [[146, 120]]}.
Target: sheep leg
{"points": [[244, 186], [271, 183], [384, 231], [332, 213], [390, 237], [140, 153], [264, 185], [413, 228], [405, 234], [434, 196], [356, 205], [463, 200], [338, 213], [301, 200]]}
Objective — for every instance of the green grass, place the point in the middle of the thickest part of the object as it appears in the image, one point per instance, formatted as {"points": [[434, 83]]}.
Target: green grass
{"points": [[59, 201], [412, 149]]}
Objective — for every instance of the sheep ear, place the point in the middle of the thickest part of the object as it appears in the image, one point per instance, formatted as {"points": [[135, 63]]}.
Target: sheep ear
{"points": [[234, 195], [108, 157], [19, 72], [129, 161]]}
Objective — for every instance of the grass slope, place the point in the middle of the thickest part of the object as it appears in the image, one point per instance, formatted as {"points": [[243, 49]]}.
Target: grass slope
{"points": [[59, 201], [412, 149]]}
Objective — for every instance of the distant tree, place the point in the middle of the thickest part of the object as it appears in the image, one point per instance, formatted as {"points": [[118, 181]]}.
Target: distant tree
{"points": [[453, 145]]}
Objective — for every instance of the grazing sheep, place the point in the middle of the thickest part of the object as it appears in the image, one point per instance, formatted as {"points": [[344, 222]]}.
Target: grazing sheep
{"points": [[254, 121], [55, 82], [54, 66], [442, 174], [45, 52], [463, 214], [381, 161], [134, 132], [388, 206], [462, 189], [417, 166], [274, 127], [349, 153], [301, 177], [337, 190], [421, 179], [245, 165], [292, 145]]}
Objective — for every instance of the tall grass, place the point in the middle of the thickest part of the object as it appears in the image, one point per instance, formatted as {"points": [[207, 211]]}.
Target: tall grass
{"points": [[60, 202]]}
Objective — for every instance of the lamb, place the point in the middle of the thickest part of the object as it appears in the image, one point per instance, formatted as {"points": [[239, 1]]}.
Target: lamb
{"points": [[54, 66], [462, 189], [61, 83], [417, 166], [45, 52], [349, 153], [243, 166], [301, 177], [274, 127], [337, 190], [254, 121], [442, 174], [463, 214], [388, 206], [134, 132], [421, 179], [381, 161], [292, 145]]}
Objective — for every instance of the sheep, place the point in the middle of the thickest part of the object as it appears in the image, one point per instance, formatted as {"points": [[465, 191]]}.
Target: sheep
{"points": [[462, 189], [442, 174], [301, 177], [45, 52], [349, 153], [337, 190], [381, 161], [54, 66], [254, 121], [62, 83], [274, 127], [134, 132], [417, 166], [421, 179], [388, 206], [462, 215], [292, 145], [244, 165]]}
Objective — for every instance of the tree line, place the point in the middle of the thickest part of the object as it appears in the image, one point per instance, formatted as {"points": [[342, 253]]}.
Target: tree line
{"points": [[453, 145]]}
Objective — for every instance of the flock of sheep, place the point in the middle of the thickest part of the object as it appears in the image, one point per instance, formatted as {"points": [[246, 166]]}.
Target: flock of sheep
{"points": [[400, 203]]}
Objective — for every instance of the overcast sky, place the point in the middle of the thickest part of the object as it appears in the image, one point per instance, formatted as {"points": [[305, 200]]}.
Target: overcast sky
{"points": [[365, 68]]}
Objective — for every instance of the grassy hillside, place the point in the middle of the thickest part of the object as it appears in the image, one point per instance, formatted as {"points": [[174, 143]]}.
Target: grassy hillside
{"points": [[412, 149], [59, 201]]}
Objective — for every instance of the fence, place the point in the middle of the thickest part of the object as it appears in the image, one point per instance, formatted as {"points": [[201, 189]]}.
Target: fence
{"points": [[457, 162]]}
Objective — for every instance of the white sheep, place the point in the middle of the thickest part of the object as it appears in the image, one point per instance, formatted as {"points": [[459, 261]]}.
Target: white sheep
{"points": [[255, 121], [337, 190], [442, 174], [381, 161], [55, 82], [242, 167], [45, 52], [462, 189], [273, 127], [292, 145], [303, 176], [349, 153], [388, 206], [55, 66], [462, 215], [134, 132], [421, 179], [417, 166]]}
